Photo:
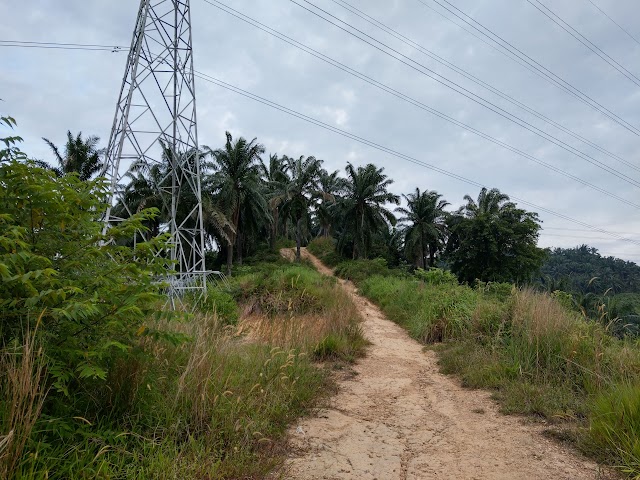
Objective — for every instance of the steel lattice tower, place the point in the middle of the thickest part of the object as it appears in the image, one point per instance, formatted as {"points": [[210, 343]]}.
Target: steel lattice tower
{"points": [[154, 133]]}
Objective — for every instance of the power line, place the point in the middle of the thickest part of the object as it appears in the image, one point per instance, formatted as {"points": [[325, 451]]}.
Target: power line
{"points": [[63, 46], [407, 41], [390, 151], [470, 95], [424, 107], [575, 236], [555, 18], [582, 230], [262, 100], [537, 66], [616, 23], [402, 96]]}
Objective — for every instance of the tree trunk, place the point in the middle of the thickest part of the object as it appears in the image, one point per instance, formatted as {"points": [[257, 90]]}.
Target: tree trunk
{"points": [[229, 257], [239, 248], [274, 229], [298, 238], [423, 251], [236, 226], [432, 257]]}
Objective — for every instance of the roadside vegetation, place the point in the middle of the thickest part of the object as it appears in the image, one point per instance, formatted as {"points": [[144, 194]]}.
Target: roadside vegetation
{"points": [[538, 353], [99, 380]]}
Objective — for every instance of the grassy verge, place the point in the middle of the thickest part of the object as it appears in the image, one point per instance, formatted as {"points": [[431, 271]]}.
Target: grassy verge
{"points": [[537, 356], [325, 250], [209, 395]]}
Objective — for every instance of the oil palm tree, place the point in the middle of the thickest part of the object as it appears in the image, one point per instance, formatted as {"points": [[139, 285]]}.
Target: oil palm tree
{"points": [[80, 156], [363, 210], [302, 188], [236, 184], [490, 202], [425, 220], [332, 185], [149, 186], [275, 175]]}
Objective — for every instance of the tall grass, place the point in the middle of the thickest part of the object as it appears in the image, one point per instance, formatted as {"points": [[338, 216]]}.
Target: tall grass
{"points": [[22, 387], [204, 395], [539, 357]]}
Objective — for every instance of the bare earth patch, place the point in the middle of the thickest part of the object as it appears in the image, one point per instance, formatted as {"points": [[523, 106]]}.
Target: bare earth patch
{"points": [[399, 418]]}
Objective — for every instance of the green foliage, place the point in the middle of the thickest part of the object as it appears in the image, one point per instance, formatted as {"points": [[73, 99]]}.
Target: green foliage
{"points": [[81, 156], [325, 249], [614, 427], [221, 303], [430, 312], [425, 226], [282, 289], [359, 270], [499, 290], [582, 269], [346, 345], [303, 186], [236, 187], [563, 298], [362, 209], [494, 241], [90, 297], [11, 151], [539, 357], [436, 276]]}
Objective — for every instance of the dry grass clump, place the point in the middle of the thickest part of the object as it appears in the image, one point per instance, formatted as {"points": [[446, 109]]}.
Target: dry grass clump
{"points": [[313, 332], [22, 375]]}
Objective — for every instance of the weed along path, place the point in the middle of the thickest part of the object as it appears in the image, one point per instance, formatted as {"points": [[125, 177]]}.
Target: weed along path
{"points": [[399, 418]]}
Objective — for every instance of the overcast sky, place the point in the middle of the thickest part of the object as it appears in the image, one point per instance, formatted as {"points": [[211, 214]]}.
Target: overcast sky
{"points": [[52, 91]]}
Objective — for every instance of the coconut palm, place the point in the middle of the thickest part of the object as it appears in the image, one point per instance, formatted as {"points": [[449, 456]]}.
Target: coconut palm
{"points": [[236, 184], [426, 225], [80, 156], [363, 210]]}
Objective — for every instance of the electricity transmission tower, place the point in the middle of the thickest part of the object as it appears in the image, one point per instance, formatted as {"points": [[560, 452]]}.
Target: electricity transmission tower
{"points": [[154, 136]]}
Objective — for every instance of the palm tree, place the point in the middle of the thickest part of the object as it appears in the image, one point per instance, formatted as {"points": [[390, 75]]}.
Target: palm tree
{"points": [[426, 218], [276, 178], [332, 185], [150, 186], [237, 187], [80, 156], [303, 187], [363, 205], [490, 202]]}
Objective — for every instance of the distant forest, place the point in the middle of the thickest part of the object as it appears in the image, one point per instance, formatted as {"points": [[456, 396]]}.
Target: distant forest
{"points": [[583, 270]]}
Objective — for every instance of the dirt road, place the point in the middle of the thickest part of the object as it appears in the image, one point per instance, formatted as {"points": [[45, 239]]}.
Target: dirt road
{"points": [[399, 418]]}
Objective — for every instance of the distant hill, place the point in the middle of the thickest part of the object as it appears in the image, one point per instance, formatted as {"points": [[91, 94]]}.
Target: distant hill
{"points": [[583, 270]]}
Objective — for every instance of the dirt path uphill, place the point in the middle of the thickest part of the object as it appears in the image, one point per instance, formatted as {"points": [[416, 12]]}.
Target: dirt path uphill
{"points": [[399, 418]]}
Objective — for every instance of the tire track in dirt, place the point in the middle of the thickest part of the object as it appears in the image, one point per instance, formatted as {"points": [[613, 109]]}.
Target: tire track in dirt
{"points": [[399, 418]]}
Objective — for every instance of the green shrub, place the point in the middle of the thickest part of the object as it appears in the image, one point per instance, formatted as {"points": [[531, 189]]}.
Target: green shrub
{"points": [[325, 249], [565, 299], [283, 242], [436, 276], [222, 304], [499, 290], [359, 270]]}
